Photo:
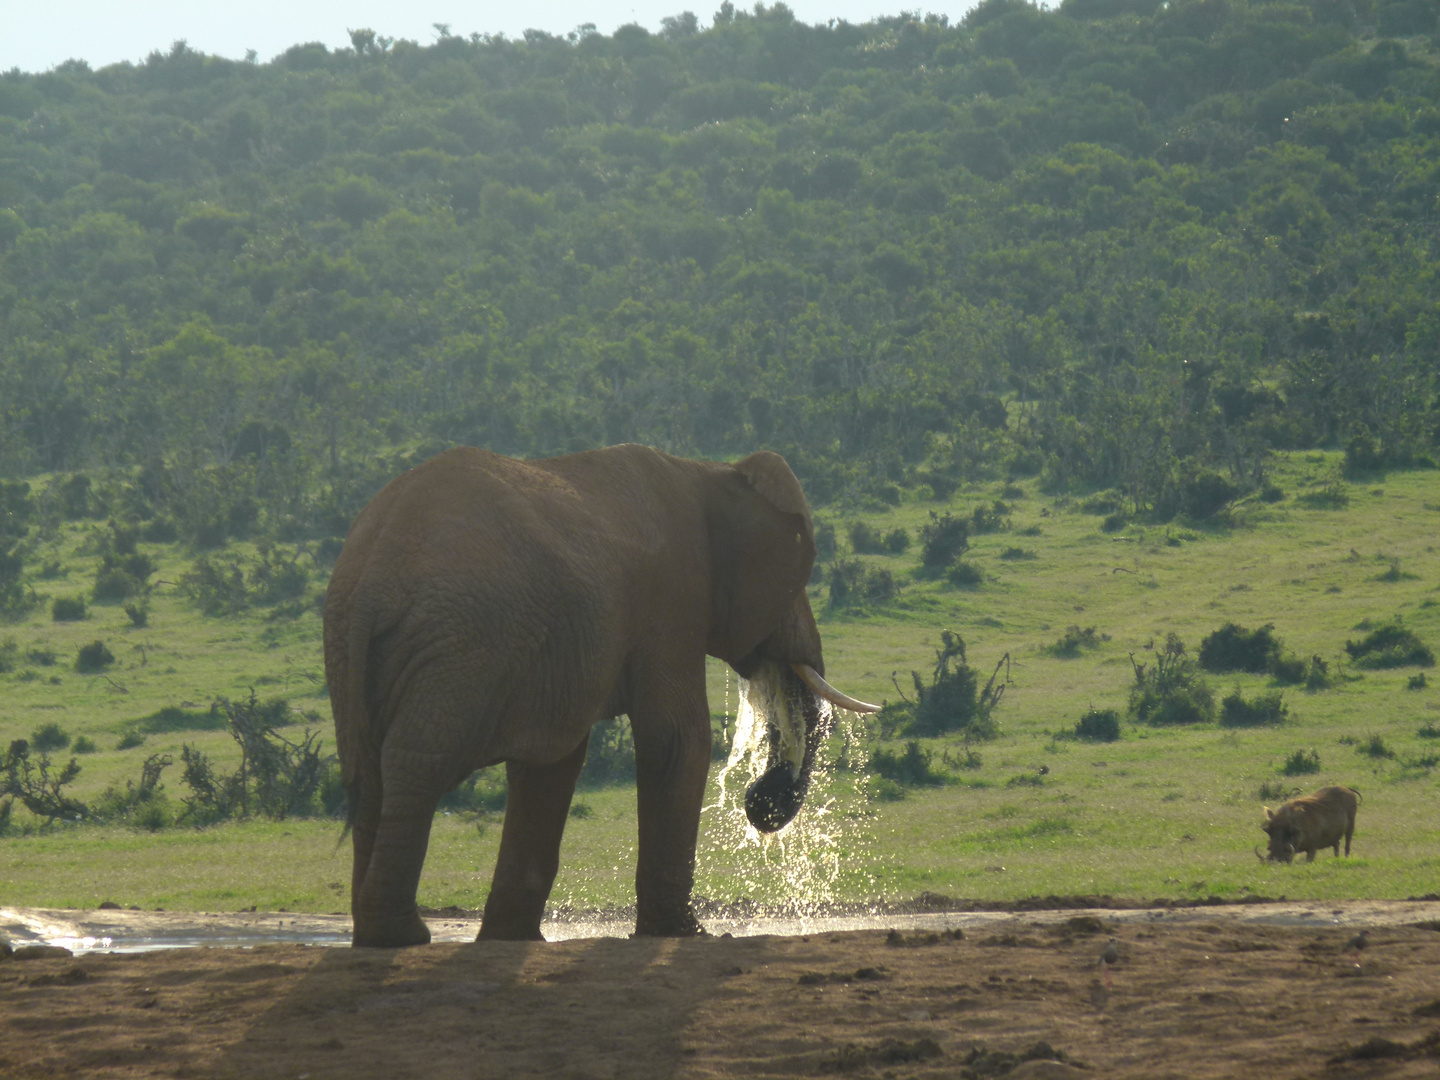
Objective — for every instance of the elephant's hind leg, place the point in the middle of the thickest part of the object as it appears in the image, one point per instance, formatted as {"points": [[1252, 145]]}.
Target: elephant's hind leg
{"points": [[383, 902], [537, 802]]}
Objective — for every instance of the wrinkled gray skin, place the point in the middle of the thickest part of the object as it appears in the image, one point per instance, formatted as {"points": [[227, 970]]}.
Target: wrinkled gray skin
{"points": [[1311, 822], [486, 609]]}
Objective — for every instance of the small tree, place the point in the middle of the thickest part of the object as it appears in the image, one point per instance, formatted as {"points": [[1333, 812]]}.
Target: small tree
{"points": [[30, 779], [1171, 690], [953, 701], [943, 539], [277, 778]]}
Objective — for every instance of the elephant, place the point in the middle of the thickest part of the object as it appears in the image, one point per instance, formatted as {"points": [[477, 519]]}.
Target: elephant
{"points": [[485, 609]]}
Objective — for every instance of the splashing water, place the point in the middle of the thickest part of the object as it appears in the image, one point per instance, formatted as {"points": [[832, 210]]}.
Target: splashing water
{"points": [[794, 872]]}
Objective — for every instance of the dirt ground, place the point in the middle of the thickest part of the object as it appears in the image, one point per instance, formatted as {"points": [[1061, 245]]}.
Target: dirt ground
{"points": [[1188, 999]]}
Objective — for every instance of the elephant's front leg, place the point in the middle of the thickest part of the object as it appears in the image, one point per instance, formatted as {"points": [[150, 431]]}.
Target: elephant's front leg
{"points": [[672, 762], [537, 802]]}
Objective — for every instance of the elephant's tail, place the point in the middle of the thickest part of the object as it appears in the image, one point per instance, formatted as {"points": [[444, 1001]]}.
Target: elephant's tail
{"points": [[355, 739]]}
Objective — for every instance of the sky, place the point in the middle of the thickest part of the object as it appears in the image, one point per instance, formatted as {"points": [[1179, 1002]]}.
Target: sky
{"points": [[36, 35]]}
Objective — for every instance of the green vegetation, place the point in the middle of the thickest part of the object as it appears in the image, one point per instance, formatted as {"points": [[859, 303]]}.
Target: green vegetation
{"points": [[1388, 646], [1238, 711], [1098, 725]]}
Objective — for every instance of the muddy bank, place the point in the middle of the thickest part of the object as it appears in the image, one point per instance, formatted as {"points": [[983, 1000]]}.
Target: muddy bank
{"points": [[1212, 995]]}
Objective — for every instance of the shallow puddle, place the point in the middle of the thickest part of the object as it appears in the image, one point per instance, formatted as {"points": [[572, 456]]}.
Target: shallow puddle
{"points": [[119, 931]]}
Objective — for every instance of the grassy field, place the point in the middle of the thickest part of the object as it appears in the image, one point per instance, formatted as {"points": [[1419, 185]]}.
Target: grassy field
{"points": [[1164, 812]]}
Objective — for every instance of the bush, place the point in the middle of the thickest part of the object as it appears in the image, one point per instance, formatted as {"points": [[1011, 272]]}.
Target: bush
{"points": [[1070, 644], [93, 658], [144, 805], [1416, 682], [942, 540], [1236, 711], [953, 701], [84, 745], [824, 542], [277, 778], [611, 757], [483, 791], [1098, 725], [1301, 763], [1374, 746], [1203, 494], [853, 585], [989, 519], [1429, 731], [866, 539], [1390, 645], [49, 737], [129, 740], [216, 590], [1015, 554], [39, 788], [139, 615], [1274, 790], [912, 767], [897, 541], [1234, 648], [964, 576], [1171, 690], [68, 609]]}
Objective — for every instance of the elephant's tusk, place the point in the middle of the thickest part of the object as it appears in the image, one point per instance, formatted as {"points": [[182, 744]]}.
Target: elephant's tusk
{"points": [[811, 678]]}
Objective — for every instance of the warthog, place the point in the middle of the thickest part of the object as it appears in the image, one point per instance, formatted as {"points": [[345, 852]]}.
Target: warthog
{"points": [[1311, 822]]}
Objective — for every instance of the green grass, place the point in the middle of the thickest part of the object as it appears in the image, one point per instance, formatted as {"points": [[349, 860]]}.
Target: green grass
{"points": [[1161, 813]]}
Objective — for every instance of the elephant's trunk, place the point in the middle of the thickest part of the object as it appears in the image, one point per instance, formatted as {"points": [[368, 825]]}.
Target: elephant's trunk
{"points": [[797, 722]]}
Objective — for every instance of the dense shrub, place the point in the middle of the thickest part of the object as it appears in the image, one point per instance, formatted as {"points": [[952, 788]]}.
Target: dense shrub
{"points": [[897, 541], [1075, 640], [1234, 648], [49, 737], [277, 778], [989, 519], [143, 805], [1237, 711], [1170, 690], [953, 701], [854, 585], [68, 609], [964, 575], [1390, 645], [1374, 746], [912, 767], [824, 541], [1301, 763], [93, 658], [865, 539], [84, 745], [40, 787], [1098, 725], [942, 539]]}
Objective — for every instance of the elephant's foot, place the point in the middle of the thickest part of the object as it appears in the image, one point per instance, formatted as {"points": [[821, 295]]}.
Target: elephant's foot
{"points": [[676, 923], [392, 933], [512, 914]]}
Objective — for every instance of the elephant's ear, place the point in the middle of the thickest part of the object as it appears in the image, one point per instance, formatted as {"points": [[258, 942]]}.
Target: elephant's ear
{"points": [[762, 546], [770, 475]]}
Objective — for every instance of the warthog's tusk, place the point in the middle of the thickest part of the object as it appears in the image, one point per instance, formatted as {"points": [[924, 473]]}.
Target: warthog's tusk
{"points": [[1258, 855], [811, 678]]}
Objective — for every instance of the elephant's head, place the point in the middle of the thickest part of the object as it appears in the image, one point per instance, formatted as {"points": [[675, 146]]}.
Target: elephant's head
{"points": [[762, 550]]}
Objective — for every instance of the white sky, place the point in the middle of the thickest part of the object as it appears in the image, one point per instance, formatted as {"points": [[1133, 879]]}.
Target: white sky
{"points": [[35, 35]]}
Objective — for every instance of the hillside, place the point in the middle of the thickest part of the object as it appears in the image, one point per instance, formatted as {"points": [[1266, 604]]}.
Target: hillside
{"points": [[1112, 244]]}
